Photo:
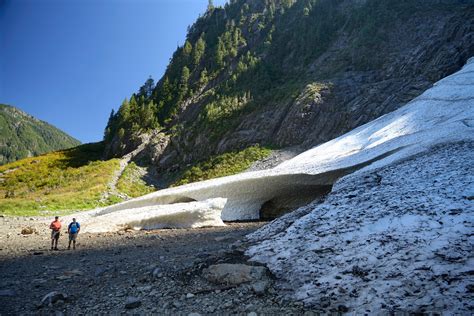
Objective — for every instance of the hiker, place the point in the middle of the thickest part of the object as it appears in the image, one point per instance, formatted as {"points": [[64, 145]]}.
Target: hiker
{"points": [[73, 229], [55, 232]]}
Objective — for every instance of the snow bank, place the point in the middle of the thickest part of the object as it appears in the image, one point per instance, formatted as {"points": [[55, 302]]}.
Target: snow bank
{"points": [[179, 215], [395, 235], [396, 238], [441, 114]]}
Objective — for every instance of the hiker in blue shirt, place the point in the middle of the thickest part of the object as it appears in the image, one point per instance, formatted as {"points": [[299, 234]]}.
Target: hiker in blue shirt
{"points": [[73, 229]]}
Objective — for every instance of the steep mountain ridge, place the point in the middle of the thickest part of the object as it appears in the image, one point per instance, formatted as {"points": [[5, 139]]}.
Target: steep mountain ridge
{"points": [[22, 135], [284, 73]]}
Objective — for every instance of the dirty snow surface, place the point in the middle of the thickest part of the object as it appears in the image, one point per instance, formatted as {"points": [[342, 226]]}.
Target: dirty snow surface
{"points": [[397, 234], [397, 238], [444, 113]]}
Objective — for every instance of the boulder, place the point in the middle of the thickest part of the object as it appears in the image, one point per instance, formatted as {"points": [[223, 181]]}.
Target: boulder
{"points": [[234, 274]]}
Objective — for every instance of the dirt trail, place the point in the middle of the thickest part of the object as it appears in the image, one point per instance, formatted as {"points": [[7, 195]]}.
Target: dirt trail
{"points": [[162, 268], [124, 161]]}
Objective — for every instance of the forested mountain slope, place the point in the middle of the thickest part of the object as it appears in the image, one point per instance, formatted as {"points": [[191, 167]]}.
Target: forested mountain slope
{"points": [[289, 72], [22, 135]]}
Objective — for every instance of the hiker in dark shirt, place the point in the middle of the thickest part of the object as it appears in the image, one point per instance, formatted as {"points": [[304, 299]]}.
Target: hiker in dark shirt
{"points": [[55, 232], [73, 229]]}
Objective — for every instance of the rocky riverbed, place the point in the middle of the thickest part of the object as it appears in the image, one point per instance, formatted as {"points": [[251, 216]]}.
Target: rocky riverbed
{"points": [[137, 272]]}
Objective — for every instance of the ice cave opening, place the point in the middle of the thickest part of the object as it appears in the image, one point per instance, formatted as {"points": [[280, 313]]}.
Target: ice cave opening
{"points": [[295, 197]]}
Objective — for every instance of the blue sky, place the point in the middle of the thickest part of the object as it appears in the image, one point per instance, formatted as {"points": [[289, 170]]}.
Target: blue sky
{"points": [[70, 62]]}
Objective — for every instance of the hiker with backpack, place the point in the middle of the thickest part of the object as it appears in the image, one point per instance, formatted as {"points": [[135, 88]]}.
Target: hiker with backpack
{"points": [[55, 232], [73, 229]]}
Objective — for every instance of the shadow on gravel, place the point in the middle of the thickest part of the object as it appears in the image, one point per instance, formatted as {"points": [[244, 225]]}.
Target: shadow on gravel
{"points": [[110, 266]]}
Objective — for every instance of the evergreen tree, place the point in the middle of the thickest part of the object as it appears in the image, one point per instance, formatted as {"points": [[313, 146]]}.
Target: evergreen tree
{"points": [[187, 49], [124, 113], [210, 5], [121, 133], [147, 89], [203, 78], [220, 53], [199, 49], [183, 85], [134, 116], [111, 126], [148, 116]]}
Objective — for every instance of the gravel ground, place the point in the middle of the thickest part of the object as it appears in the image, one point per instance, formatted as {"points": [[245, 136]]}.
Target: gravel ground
{"points": [[161, 268]]}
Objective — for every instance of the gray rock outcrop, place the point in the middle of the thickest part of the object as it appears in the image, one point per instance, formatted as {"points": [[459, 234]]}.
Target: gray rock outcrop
{"points": [[234, 274]]}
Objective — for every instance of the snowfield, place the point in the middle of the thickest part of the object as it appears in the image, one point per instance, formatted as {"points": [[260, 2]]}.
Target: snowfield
{"points": [[444, 113], [397, 238]]}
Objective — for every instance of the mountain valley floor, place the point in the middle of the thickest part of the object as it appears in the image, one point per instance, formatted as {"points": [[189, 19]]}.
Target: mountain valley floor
{"points": [[162, 269]]}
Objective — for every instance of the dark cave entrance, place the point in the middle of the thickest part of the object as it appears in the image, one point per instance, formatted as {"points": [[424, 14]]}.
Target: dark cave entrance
{"points": [[291, 199]]}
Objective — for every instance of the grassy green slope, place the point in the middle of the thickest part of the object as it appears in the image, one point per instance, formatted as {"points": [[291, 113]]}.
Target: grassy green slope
{"points": [[223, 165], [21, 135], [62, 182]]}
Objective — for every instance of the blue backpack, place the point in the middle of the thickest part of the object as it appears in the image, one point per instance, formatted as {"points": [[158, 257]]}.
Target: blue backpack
{"points": [[74, 227]]}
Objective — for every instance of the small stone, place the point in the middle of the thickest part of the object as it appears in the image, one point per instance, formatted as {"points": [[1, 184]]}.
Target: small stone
{"points": [[177, 304], [144, 288], [211, 309], [260, 287], [221, 238], [249, 307], [132, 302], [252, 314], [99, 271], [156, 273], [194, 314], [52, 297], [190, 295]]}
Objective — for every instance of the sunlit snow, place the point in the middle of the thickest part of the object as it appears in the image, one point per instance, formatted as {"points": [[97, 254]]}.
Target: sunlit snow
{"points": [[179, 215]]}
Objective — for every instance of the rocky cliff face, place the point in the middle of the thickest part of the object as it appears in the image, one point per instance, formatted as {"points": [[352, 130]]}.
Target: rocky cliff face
{"points": [[304, 72]]}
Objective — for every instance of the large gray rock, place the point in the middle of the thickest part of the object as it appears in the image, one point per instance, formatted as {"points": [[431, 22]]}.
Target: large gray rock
{"points": [[234, 274]]}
